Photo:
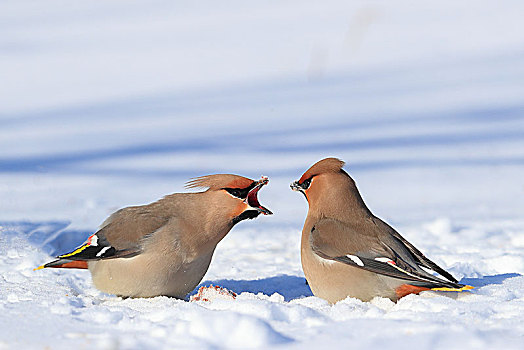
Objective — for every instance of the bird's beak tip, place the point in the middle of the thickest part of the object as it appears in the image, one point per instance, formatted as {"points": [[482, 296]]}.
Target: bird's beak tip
{"points": [[265, 211], [264, 180]]}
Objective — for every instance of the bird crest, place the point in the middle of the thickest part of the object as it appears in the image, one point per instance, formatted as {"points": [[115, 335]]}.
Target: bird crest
{"points": [[327, 165], [219, 181]]}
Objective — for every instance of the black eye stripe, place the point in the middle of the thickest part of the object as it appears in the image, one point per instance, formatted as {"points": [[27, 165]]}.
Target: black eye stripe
{"points": [[240, 192], [306, 183], [236, 192]]}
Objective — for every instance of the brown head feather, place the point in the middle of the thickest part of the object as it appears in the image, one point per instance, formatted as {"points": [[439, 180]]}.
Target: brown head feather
{"points": [[327, 165], [219, 181]]}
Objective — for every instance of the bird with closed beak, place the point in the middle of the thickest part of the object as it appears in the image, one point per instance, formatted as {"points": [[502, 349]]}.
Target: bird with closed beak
{"points": [[165, 248], [347, 251]]}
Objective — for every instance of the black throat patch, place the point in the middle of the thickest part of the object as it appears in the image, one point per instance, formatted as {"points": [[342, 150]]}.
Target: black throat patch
{"points": [[248, 214]]}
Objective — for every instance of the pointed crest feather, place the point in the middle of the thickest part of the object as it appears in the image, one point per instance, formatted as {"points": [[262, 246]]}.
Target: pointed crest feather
{"points": [[326, 165], [219, 181]]}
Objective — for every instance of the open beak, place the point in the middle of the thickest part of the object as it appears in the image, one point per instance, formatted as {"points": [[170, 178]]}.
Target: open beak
{"points": [[252, 199]]}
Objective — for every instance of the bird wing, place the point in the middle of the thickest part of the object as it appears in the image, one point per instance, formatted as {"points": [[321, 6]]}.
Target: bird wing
{"points": [[121, 235], [334, 240], [420, 258], [126, 229]]}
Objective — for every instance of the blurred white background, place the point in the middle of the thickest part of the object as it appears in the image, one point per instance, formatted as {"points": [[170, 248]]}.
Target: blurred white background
{"points": [[107, 104]]}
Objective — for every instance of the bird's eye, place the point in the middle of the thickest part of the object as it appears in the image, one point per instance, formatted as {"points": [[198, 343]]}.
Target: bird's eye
{"points": [[306, 183], [236, 192]]}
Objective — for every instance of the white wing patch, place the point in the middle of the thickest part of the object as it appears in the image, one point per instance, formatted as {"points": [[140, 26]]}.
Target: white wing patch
{"points": [[393, 264], [386, 260], [355, 259], [102, 251]]}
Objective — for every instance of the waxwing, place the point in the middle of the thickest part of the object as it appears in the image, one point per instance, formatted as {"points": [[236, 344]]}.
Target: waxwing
{"points": [[347, 251], [165, 248]]}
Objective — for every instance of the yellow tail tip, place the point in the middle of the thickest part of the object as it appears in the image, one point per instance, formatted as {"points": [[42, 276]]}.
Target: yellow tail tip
{"points": [[446, 289], [39, 268]]}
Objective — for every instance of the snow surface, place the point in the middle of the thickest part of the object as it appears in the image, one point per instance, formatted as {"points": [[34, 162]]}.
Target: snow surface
{"points": [[105, 105]]}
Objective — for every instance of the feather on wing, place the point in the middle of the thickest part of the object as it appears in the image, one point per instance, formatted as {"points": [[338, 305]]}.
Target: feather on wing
{"points": [[334, 240], [120, 236]]}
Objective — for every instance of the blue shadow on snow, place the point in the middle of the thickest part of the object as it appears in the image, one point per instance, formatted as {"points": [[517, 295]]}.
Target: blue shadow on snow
{"points": [[50, 236], [487, 280], [290, 287]]}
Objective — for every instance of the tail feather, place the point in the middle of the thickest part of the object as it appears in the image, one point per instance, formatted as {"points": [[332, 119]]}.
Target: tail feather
{"points": [[65, 263], [462, 288], [406, 289]]}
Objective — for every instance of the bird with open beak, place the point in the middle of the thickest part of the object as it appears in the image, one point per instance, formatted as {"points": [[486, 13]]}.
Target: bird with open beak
{"points": [[165, 248], [347, 251]]}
